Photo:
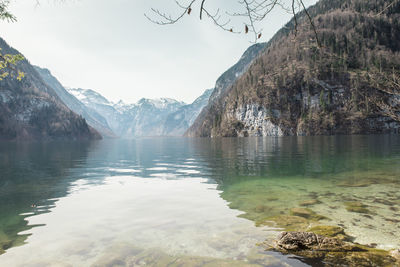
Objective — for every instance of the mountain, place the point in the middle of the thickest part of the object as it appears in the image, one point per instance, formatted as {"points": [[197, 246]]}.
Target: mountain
{"points": [[145, 118], [149, 116], [93, 118], [348, 85], [94, 101], [179, 121], [223, 83], [31, 110]]}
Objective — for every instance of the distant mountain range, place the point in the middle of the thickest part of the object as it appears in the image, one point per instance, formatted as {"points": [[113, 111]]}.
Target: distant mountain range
{"points": [[147, 117], [144, 118], [347, 82], [179, 121]]}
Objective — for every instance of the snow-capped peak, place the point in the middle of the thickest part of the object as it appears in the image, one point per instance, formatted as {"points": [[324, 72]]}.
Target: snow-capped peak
{"points": [[88, 96]]}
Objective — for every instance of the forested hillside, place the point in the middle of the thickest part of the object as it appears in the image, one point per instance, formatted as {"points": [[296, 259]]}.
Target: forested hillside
{"points": [[343, 80], [92, 117], [31, 110]]}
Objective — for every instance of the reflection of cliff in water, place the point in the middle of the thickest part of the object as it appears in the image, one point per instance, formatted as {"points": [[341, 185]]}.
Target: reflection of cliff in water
{"points": [[32, 177], [258, 176], [294, 183], [231, 160]]}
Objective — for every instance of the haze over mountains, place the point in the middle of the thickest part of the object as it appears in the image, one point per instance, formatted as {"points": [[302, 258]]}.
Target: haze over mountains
{"points": [[40, 108], [147, 117], [144, 118], [288, 86]]}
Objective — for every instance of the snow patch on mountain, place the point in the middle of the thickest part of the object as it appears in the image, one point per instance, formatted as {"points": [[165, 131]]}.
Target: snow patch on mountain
{"points": [[147, 117]]}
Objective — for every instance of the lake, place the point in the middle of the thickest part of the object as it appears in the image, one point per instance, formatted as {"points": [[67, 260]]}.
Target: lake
{"points": [[192, 202]]}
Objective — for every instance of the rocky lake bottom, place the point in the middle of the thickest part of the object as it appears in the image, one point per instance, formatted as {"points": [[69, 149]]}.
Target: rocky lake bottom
{"points": [[198, 202]]}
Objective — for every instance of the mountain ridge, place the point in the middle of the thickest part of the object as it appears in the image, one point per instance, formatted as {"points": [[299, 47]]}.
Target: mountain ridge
{"points": [[31, 110], [294, 87], [146, 117], [221, 86], [92, 117]]}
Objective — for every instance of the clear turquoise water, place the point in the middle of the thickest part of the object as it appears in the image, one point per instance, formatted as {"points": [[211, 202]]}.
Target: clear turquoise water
{"points": [[190, 201]]}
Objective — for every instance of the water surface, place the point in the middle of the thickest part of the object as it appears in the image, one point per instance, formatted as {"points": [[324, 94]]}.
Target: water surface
{"points": [[190, 201]]}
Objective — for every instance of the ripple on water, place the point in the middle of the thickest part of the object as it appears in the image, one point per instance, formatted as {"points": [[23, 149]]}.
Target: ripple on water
{"points": [[146, 214], [109, 213]]}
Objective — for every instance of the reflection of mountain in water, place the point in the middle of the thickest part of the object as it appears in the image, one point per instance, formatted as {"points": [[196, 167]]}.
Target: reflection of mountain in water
{"points": [[32, 177], [262, 177], [232, 160], [296, 183]]}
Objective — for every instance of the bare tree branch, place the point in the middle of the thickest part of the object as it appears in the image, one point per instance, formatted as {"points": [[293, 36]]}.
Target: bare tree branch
{"points": [[252, 11], [311, 22], [388, 6], [165, 19], [202, 8]]}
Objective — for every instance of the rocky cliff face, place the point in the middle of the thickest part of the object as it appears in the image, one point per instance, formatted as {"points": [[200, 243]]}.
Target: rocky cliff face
{"points": [[221, 86], [31, 110], [92, 117], [348, 85]]}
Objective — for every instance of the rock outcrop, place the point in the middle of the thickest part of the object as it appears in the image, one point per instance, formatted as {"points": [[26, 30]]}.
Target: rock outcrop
{"points": [[349, 84], [307, 241], [331, 251], [201, 125]]}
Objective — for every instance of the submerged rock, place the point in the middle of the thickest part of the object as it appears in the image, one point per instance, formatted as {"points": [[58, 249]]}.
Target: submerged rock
{"points": [[395, 254], [360, 181], [331, 231], [384, 202], [128, 255], [261, 208], [355, 206], [306, 213], [287, 222], [350, 183], [5, 242], [302, 241], [332, 251], [310, 202]]}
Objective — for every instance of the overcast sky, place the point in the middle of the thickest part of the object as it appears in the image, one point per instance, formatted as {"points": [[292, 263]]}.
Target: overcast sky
{"points": [[109, 46]]}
